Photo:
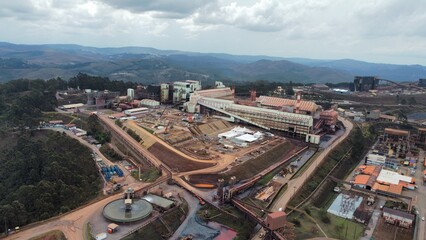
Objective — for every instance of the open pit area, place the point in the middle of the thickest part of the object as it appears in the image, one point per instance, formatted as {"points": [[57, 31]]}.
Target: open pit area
{"points": [[249, 164], [176, 161], [187, 143]]}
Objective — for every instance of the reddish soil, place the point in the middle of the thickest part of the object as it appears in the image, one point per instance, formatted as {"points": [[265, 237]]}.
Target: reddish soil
{"points": [[176, 161], [203, 178]]}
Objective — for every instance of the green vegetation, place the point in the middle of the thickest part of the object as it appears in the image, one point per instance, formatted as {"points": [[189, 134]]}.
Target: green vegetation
{"points": [[359, 141], [84, 81], [80, 121], [22, 103], [119, 123], [134, 135], [252, 167], [44, 174], [148, 175], [110, 153], [335, 227], [148, 129], [88, 232], [51, 235], [95, 129], [235, 220], [159, 229], [268, 177]]}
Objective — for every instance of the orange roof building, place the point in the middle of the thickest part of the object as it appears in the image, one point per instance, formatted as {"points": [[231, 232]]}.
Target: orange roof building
{"points": [[361, 179], [305, 106], [392, 188], [369, 170], [397, 132], [395, 189]]}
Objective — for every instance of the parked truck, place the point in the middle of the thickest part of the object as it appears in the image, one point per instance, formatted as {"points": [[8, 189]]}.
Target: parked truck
{"points": [[112, 228]]}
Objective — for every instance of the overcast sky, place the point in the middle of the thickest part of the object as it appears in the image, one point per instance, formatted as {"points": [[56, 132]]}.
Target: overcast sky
{"points": [[387, 31]]}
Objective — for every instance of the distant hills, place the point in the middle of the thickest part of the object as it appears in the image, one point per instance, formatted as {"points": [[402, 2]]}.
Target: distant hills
{"points": [[150, 65]]}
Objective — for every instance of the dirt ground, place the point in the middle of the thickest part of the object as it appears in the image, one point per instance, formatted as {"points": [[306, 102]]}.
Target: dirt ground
{"points": [[175, 161], [203, 178], [385, 231]]}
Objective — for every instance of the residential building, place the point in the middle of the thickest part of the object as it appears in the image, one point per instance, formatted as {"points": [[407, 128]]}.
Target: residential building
{"points": [[397, 217]]}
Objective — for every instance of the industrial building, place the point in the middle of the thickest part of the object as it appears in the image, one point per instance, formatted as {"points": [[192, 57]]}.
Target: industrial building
{"points": [[365, 84], [298, 125], [130, 94], [182, 90], [288, 105], [165, 89], [149, 103], [162, 203], [136, 111], [101, 99], [373, 114], [375, 178]]}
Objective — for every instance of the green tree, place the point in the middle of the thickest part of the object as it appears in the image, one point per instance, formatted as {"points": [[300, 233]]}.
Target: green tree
{"points": [[412, 101], [289, 89]]}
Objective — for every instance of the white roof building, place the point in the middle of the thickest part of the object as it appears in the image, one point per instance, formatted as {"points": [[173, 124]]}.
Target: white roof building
{"points": [[237, 131], [376, 159], [247, 138], [393, 177]]}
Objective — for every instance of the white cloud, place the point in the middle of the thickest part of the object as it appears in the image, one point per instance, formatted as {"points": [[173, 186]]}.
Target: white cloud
{"points": [[379, 30]]}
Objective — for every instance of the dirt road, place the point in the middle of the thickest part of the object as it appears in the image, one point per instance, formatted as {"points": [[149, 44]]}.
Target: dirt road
{"points": [[71, 224]]}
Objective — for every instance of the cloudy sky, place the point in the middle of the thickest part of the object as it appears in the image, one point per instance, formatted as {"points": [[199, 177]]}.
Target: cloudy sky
{"points": [[387, 31]]}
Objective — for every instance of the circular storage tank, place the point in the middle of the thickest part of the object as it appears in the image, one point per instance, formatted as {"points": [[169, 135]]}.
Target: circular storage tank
{"points": [[116, 211]]}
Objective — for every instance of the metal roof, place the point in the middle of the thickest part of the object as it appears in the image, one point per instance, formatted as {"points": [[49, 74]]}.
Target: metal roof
{"points": [[398, 213], [157, 200]]}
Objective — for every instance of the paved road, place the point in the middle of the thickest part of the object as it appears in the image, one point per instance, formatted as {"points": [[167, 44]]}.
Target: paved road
{"points": [[193, 207], [295, 184]]}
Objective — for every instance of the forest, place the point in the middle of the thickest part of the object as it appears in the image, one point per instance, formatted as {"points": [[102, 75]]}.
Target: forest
{"points": [[42, 173]]}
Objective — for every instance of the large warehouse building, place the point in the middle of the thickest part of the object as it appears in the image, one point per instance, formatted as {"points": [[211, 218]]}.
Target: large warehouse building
{"points": [[298, 125]]}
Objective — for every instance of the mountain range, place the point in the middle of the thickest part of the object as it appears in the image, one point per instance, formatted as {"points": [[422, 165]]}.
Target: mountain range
{"points": [[150, 65]]}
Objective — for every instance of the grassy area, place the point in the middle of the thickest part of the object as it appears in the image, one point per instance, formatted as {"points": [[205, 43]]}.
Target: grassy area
{"points": [[52, 235], [355, 145], [305, 228], [328, 201], [147, 129], [235, 220], [157, 229], [305, 166], [263, 181], [338, 228], [110, 153], [251, 167], [88, 232], [149, 175], [153, 231]]}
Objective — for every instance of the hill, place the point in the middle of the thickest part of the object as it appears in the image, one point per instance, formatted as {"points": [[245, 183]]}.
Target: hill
{"points": [[399, 73], [150, 65]]}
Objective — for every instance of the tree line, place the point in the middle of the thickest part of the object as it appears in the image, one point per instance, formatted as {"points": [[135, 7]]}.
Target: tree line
{"points": [[44, 174]]}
